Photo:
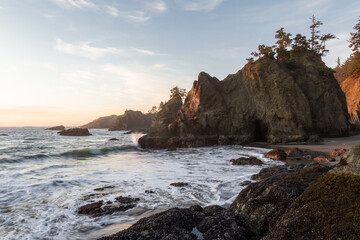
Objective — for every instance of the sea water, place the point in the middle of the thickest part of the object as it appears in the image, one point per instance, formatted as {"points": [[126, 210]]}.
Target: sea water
{"points": [[45, 178]]}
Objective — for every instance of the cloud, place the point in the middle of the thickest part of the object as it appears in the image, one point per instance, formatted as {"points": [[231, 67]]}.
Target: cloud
{"points": [[146, 52], [113, 11], [136, 16], [157, 6], [200, 5], [80, 4], [47, 15], [85, 50]]}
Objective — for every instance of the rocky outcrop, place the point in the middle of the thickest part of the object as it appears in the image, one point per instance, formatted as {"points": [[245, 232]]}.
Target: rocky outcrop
{"points": [[57, 128], [351, 88], [102, 122], [264, 202], [265, 101], [75, 132], [132, 120], [276, 154], [246, 161], [212, 222], [167, 114]]}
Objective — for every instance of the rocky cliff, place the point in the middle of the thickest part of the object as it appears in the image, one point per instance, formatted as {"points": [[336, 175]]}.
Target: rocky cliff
{"points": [[268, 100], [102, 122], [132, 120], [167, 114], [351, 88]]}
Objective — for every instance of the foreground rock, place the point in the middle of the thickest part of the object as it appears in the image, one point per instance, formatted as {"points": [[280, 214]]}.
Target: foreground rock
{"points": [[265, 101], [349, 162], [4, 135], [100, 208], [75, 132], [264, 202], [246, 161], [337, 152], [132, 120], [276, 154], [210, 223], [57, 128], [102, 122]]}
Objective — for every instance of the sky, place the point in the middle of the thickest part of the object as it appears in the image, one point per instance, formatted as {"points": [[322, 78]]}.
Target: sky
{"points": [[71, 61]]}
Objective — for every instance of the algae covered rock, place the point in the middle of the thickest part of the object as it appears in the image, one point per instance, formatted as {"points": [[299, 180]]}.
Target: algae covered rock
{"points": [[349, 162]]}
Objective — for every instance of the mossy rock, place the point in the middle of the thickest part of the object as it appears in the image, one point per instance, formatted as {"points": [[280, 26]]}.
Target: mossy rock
{"points": [[328, 209]]}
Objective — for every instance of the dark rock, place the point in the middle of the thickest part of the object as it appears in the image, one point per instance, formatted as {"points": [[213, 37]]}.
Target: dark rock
{"points": [[167, 113], [323, 159], [113, 139], [328, 209], [212, 222], [246, 161], [138, 131], [132, 120], [58, 128], [265, 101], [102, 122], [245, 183], [179, 184], [276, 154], [264, 202], [337, 152], [295, 153], [4, 135], [75, 132], [126, 200], [91, 209], [149, 191], [103, 188]]}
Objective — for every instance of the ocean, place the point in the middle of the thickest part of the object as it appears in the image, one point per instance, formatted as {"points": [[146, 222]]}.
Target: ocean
{"points": [[45, 178]]}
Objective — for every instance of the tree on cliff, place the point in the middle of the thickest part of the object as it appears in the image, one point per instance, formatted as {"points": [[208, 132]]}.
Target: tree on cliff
{"points": [[177, 92], [316, 41], [284, 41], [355, 38]]}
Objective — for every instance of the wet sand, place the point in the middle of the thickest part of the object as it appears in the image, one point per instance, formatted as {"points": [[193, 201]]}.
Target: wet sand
{"points": [[322, 147]]}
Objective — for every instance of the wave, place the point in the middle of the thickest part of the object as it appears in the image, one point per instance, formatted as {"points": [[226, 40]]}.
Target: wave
{"points": [[88, 152], [77, 154]]}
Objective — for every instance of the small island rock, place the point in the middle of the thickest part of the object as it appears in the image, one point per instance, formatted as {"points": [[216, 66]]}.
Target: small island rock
{"points": [[75, 132]]}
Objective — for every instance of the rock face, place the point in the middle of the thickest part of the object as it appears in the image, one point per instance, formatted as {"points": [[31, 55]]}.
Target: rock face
{"points": [[265, 101], [351, 88], [132, 120], [75, 132], [328, 209], [167, 114], [211, 222], [276, 154], [58, 128], [102, 122], [264, 202]]}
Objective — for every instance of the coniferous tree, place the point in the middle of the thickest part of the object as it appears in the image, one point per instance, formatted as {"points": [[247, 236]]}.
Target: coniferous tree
{"points": [[283, 42], [355, 38], [300, 43]]}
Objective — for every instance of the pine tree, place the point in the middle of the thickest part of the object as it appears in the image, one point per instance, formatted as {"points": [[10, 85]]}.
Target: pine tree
{"points": [[355, 38], [283, 42], [314, 38]]}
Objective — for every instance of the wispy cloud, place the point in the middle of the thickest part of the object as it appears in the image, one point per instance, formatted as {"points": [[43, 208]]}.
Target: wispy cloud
{"points": [[157, 6], [146, 52], [80, 4], [85, 50], [113, 11], [136, 16], [200, 5], [47, 15]]}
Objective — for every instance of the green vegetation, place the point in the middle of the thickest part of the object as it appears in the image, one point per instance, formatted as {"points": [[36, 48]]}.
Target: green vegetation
{"points": [[352, 65], [285, 44], [328, 209], [178, 92]]}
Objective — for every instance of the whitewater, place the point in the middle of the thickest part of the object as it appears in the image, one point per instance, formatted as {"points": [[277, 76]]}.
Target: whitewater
{"points": [[45, 178]]}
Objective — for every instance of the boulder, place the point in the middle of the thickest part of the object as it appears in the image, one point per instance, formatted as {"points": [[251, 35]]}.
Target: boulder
{"points": [[57, 128], [323, 159], [75, 132], [102, 122], [295, 153], [264, 202], [349, 162], [337, 152], [4, 134], [276, 154], [132, 120], [265, 101], [179, 184], [246, 161], [192, 223], [328, 209]]}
